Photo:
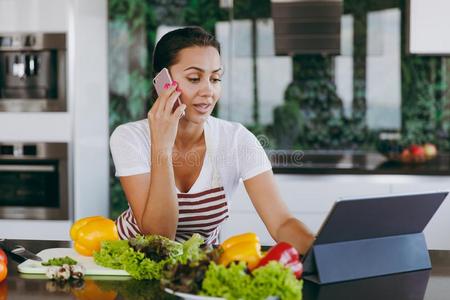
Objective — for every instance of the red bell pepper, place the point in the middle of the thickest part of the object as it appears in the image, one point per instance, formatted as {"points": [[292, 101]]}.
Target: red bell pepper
{"points": [[286, 255]]}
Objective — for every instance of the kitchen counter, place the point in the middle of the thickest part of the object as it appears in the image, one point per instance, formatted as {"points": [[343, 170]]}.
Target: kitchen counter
{"points": [[349, 162], [426, 284]]}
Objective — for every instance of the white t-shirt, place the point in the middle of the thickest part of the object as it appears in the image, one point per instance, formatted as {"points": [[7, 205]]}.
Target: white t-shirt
{"points": [[236, 152]]}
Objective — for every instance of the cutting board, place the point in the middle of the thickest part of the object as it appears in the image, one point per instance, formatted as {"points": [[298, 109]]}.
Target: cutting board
{"points": [[35, 267]]}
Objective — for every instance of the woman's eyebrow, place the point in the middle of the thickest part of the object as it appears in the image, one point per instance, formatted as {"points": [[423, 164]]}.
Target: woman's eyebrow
{"points": [[201, 70]]}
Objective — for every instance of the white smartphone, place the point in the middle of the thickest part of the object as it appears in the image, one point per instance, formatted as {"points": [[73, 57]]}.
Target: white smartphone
{"points": [[160, 80]]}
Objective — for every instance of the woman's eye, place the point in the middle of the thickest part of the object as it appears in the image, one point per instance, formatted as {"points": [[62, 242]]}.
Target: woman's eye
{"points": [[194, 79], [216, 80]]}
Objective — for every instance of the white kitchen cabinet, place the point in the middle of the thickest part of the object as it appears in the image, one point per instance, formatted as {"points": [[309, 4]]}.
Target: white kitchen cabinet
{"points": [[310, 198], [437, 231]]}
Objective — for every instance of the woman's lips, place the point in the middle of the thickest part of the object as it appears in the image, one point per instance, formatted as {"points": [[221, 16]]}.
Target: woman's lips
{"points": [[202, 108]]}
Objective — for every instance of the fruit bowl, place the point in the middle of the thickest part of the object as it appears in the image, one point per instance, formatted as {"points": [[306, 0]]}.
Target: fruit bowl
{"points": [[390, 146]]}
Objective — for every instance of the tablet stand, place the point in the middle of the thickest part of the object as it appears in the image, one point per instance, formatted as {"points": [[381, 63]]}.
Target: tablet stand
{"points": [[357, 259]]}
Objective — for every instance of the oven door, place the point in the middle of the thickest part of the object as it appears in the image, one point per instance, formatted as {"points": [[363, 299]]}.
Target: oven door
{"points": [[33, 189]]}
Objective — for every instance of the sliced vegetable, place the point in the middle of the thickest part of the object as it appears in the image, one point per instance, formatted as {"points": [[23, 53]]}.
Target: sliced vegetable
{"points": [[244, 247], [59, 261], [88, 233], [286, 255]]}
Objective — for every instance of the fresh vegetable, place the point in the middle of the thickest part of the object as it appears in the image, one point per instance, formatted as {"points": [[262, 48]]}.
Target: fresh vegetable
{"points": [[3, 257], [192, 249], [3, 265], [286, 255], [3, 271], [156, 247], [228, 282], [240, 238], [59, 261], [244, 247], [88, 233], [145, 257], [188, 276], [235, 283]]}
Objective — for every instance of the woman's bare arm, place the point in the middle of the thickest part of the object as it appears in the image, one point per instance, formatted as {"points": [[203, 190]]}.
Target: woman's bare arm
{"points": [[153, 197], [280, 223]]}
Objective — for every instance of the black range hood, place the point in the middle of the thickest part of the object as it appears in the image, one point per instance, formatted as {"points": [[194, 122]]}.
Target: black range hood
{"points": [[307, 26]]}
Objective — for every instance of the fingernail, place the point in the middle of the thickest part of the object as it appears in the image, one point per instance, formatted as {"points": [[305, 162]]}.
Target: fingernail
{"points": [[174, 83], [166, 86], [178, 89]]}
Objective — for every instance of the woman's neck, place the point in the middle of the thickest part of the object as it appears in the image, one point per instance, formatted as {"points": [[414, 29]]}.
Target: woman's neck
{"points": [[189, 135]]}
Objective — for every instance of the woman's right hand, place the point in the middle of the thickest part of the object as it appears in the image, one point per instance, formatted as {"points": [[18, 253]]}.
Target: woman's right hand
{"points": [[163, 122]]}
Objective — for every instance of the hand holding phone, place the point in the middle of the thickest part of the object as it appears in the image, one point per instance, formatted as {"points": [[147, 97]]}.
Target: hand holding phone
{"points": [[164, 116], [163, 79]]}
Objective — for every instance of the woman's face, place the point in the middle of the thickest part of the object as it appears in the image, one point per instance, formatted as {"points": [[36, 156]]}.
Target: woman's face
{"points": [[198, 73]]}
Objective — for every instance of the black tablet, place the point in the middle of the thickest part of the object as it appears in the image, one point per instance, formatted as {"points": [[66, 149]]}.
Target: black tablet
{"points": [[374, 218]]}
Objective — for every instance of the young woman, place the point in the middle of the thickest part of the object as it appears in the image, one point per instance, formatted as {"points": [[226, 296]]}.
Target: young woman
{"points": [[179, 167]]}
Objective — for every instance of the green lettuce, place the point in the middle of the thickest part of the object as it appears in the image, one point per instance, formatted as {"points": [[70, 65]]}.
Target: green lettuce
{"points": [[230, 283], [235, 283], [192, 250], [145, 257], [274, 279]]}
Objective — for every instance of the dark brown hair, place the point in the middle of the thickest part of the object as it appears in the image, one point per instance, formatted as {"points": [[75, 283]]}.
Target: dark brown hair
{"points": [[167, 49]]}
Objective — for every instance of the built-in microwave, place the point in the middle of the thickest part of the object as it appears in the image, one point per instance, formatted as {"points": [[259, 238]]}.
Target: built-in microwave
{"points": [[33, 72], [34, 181]]}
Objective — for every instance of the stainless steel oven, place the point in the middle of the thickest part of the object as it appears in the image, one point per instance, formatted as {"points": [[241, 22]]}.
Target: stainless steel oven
{"points": [[34, 181], [33, 72]]}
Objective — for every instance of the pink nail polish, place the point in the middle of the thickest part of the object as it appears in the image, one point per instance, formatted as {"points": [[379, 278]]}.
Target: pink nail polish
{"points": [[166, 86], [178, 89], [174, 83]]}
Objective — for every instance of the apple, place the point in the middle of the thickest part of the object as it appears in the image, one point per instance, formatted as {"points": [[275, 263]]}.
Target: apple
{"points": [[417, 153], [405, 156], [430, 150], [3, 257]]}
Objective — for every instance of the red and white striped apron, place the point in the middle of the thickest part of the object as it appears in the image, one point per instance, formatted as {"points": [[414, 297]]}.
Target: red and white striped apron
{"points": [[202, 211]]}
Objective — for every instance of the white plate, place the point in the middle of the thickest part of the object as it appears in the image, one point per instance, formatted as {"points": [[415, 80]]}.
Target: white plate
{"points": [[191, 296], [198, 297]]}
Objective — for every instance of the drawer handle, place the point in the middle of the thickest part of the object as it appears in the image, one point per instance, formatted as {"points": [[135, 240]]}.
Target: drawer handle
{"points": [[26, 168]]}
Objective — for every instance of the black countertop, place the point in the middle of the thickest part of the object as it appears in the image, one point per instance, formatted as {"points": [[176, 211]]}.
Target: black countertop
{"points": [[349, 162], [426, 284]]}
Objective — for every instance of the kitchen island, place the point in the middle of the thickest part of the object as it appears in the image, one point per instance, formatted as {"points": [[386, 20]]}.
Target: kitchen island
{"points": [[426, 284]]}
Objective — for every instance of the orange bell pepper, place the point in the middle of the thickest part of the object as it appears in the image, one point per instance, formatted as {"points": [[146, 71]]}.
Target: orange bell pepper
{"points": [[88, 233]]}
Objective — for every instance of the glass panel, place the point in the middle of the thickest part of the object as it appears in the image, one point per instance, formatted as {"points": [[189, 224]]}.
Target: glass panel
{"points": [[29, 188]]}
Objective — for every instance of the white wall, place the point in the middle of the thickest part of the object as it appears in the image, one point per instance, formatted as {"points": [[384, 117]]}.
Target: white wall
{"points": [[88, 89], [429, 26], [85, 125]]}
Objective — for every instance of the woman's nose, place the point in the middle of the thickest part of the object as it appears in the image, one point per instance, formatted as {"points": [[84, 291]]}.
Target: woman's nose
{"points": [[207, 88]]}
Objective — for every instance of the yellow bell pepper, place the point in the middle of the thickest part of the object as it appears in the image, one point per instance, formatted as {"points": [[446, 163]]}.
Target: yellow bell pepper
{"points": [[88, 233], [91, 291], [244, 247]]}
